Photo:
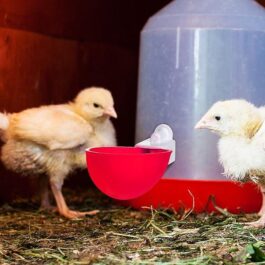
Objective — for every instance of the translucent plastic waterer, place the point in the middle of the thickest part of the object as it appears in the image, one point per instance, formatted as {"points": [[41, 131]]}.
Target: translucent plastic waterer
{"points": [[125, 173], [194, 53]]}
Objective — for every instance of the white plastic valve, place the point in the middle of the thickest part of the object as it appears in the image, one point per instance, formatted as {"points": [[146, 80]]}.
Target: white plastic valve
{"points": [[162, 137]]}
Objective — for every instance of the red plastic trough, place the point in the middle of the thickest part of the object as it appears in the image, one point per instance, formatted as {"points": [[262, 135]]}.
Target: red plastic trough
{"points": [[201, 196]]}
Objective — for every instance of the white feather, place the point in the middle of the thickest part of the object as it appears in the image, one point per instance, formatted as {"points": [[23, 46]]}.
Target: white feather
{"points": [[4, 121], [239, 156]]}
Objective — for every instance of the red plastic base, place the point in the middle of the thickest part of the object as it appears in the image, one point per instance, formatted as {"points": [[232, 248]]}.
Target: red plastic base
{"points": [[177, 193]]}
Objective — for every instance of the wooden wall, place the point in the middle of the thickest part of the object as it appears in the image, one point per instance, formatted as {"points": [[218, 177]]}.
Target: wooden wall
{"points": [[51, 49]]}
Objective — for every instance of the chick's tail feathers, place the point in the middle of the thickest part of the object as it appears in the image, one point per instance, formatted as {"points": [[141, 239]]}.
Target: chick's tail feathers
{"points": [[4, 121], [4, 124]]}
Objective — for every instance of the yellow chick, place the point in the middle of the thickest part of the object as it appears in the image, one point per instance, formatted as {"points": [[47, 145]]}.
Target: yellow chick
{"points": [[50, 141], [241, 147]]}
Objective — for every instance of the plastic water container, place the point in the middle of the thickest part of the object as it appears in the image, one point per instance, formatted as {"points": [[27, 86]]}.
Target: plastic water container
{"points": [[194, 53]]}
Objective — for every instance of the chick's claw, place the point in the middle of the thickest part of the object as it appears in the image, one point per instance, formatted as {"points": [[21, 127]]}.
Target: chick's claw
{"points": [[94, 212], [70, 214]]}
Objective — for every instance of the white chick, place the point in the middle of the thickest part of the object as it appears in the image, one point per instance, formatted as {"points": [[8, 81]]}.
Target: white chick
{"points": [[241, 147], [50, 141]]}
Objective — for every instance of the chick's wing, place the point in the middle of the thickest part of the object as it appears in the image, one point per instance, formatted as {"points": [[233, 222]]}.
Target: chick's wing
{"points": [[55, 126]]}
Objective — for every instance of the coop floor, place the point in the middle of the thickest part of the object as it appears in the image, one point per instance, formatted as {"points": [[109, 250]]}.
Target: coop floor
{"points": [[124, 236]]}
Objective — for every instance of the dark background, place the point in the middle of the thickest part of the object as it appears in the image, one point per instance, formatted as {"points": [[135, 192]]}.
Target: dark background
{"points": [[51, 49]]}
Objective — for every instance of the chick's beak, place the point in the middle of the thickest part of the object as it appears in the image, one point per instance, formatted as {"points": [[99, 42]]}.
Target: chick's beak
{"points": [[204, 123], [111, 112]]}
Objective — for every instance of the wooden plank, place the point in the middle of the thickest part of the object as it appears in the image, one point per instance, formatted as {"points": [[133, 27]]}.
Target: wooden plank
{"points": [[117, 22], [32, 66]]}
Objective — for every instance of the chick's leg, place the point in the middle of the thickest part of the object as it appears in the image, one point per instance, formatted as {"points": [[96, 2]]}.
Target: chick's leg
{"points": [[45, 200], [56, 186], [261, 222], [262, 210], [44, 194]]}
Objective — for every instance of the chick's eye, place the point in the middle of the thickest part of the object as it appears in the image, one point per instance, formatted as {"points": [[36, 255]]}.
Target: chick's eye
{"points": [[96, 105], [218, 118]]}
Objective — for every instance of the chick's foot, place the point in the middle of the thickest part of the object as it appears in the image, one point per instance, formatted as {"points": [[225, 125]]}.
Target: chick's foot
{"points": [[257, 224], [48, 208], [46, 205], [63, 209], [262, 210], [70, 214]]}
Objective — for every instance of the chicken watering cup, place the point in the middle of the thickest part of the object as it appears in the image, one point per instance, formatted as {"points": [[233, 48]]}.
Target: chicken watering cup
{"points": [[125, 173]]}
